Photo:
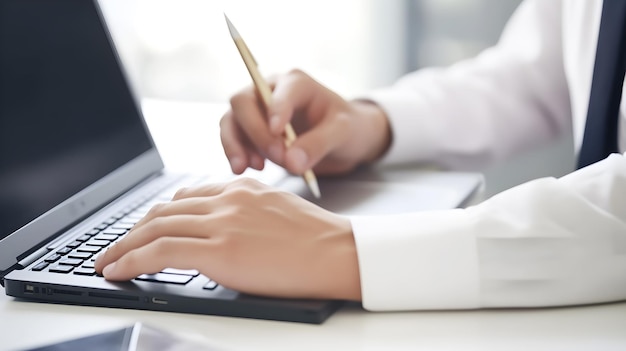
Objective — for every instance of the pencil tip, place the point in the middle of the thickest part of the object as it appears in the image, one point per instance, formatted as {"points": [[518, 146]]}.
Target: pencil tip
{"points": [[315, 189], [231, 27]]}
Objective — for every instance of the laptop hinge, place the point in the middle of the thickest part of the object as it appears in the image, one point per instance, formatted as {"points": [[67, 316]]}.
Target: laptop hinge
{"points": [[32, 257], [4, 273], [24, 262]]}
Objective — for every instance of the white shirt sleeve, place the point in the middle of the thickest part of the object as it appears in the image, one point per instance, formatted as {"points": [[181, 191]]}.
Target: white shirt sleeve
{"points": [[548, 242], [484, 109]]}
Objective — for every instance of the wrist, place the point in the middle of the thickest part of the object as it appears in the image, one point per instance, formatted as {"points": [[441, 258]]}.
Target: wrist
{"points": [[374, 130], [342, 264]]}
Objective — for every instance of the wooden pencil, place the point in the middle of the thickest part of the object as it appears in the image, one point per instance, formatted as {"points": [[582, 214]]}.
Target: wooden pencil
{"points": [[266, 95]]}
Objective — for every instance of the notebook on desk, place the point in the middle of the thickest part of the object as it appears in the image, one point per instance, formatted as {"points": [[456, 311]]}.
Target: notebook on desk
{"points": [[78, 167]]}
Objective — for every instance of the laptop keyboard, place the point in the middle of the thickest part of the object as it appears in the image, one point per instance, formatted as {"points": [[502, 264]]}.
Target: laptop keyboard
{"points": [[78, 256]]}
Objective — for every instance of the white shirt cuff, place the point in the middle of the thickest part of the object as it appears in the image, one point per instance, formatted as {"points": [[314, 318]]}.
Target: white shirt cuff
{"points": [[417, 261], [414, 135]]}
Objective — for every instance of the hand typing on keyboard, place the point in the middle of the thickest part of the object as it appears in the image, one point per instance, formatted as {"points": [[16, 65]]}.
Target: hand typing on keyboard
{"points": [[245, 236]]}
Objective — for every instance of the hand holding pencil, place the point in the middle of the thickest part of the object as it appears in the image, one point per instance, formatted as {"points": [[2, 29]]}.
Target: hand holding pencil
{"points": [[336, 135]]}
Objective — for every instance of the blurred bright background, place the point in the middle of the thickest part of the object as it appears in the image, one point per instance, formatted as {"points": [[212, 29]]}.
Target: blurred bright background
{"points": [[181, 49]]}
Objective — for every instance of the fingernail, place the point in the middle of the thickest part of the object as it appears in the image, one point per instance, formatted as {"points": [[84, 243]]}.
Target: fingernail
{"points": [[275, 124], [298, 159], [256, 162], [236, 163], [109, 270]]}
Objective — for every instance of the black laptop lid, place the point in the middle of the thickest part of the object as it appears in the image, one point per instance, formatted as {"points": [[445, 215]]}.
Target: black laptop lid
{"points": [[67, 115]]}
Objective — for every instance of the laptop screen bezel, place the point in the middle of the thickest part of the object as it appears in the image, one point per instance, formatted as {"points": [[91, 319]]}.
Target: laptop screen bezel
{"points": [[49, 225]]}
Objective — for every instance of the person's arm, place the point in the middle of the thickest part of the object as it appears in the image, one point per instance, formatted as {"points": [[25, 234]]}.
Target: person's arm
{"points": [[512, 96], [548, 242]]}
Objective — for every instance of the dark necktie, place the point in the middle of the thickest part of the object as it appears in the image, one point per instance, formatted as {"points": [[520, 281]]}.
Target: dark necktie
{"points": [[600, 137]]}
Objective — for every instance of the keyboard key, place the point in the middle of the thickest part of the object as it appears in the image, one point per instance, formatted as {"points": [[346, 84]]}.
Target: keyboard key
{"points": [[119, 215], [126, 226], [73, 244], [93, 232], [64, 251], [102, 226], [101, 243], [127, 220], [87, 248], [108, 237], [211, 285], [53, 258], [110, 221], [165, 278], [71, 262], [85, 271], [60, 269], [112, 231], [80, 255], [190, 272], [83, 238], [40, 266], [89, 264]]}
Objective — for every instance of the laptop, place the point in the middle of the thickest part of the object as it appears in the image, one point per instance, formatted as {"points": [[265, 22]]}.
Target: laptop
{"points": [[78, 167]]}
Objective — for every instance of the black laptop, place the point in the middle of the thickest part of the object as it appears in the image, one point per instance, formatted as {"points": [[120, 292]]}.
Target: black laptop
{"points": [[78, 168]]}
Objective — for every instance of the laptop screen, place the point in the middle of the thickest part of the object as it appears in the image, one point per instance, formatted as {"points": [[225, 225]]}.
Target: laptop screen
{"points": [[67, 117]]}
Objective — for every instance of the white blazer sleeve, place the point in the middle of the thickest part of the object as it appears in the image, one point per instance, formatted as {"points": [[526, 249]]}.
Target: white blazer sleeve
{"points": [[483, 109], [548, 242]]}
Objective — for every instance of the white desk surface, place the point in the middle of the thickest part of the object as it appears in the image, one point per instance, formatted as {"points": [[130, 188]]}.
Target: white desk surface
{"points": [[27, 324]]}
